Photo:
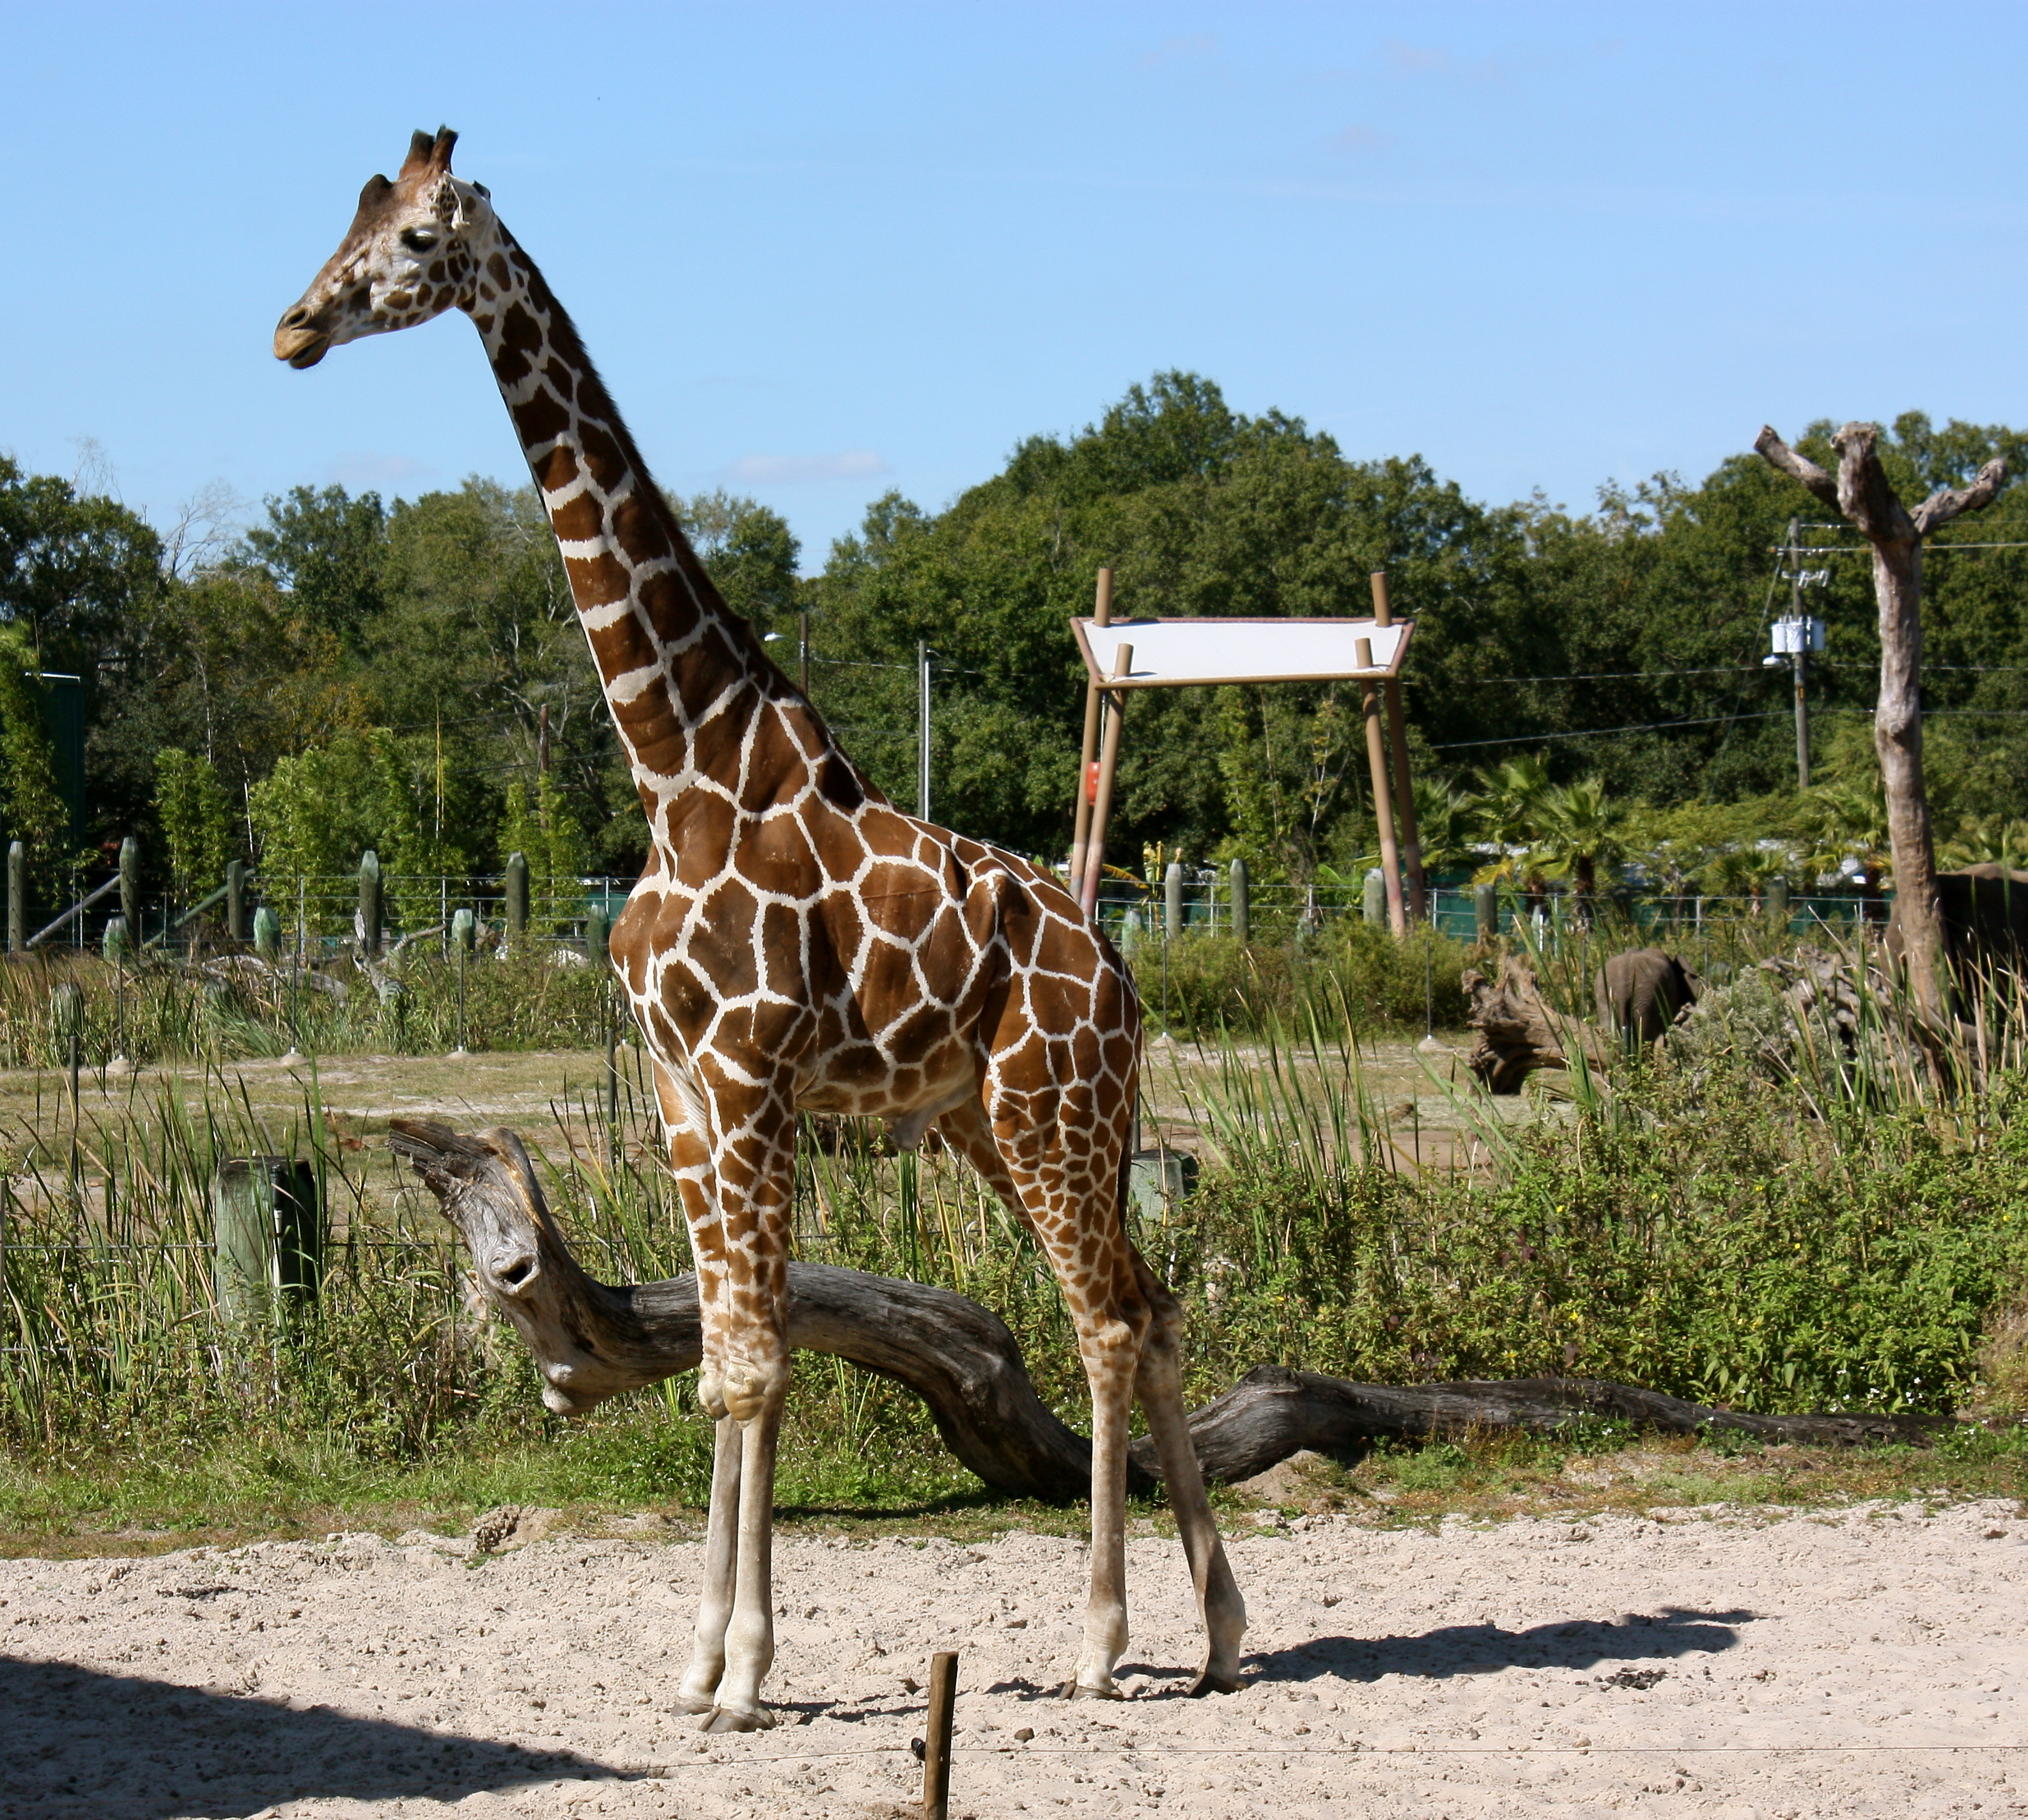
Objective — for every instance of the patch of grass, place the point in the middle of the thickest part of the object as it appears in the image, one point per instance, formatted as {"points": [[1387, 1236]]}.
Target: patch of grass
{"points": [[642, 1460]]}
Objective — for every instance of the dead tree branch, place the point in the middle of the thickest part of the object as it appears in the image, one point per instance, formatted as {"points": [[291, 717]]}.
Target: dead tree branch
{"points": [[1864, 497], [592, 1340]]}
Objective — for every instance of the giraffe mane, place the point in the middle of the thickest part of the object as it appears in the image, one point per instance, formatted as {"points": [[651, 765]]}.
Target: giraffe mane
{"points": [[761, 666]]}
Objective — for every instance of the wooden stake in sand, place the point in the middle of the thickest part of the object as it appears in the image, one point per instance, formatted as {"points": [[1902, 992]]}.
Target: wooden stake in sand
{"points": [[936, 1747]]}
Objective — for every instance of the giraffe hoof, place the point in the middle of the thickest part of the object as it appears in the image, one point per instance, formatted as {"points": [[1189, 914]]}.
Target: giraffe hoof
{"points": [[756, 1719], [1077, 1690], [1209, 1683]]}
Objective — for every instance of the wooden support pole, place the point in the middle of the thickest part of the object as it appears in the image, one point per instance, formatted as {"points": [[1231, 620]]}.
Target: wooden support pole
{"points": [[1101, 614], [1404, 789], [1108, 768], [1383, 812], [937, 1744]]}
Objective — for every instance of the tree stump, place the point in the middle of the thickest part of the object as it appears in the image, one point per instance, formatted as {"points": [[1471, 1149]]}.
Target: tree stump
{"points": [[1518, 1030]]}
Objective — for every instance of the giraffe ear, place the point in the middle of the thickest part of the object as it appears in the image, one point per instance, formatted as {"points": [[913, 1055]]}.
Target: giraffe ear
{"points": [[458, 203]]}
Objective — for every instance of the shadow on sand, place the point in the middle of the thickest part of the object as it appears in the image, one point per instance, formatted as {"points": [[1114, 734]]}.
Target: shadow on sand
{"points": [[1466, 1649], [1486, 1649], [75, 1742]]}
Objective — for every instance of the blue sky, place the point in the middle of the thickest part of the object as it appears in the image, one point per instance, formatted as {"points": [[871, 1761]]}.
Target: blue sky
{"points": [[820, 251]]}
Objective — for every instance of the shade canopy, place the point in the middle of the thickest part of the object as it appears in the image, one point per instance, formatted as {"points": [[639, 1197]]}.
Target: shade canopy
{"points": [[1176, 654]]}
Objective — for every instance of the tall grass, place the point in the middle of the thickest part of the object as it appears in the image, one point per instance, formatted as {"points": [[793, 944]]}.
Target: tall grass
{"points": [[535, 996], [1720, 1232]]}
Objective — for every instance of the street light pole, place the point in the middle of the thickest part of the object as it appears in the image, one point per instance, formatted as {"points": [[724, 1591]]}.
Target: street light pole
{"points": [[923, 732]]}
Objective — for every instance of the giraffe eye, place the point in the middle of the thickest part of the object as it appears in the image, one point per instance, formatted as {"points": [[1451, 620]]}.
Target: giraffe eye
{"points": [[418, 239]]}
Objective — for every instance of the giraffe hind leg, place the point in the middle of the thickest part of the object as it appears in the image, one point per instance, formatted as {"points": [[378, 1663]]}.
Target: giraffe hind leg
{"points": [[1112, 1317], [1160, 1386]]}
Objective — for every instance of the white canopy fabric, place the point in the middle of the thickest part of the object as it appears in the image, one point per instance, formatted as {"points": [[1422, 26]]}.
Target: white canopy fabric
{"points": [[1173, 654]]}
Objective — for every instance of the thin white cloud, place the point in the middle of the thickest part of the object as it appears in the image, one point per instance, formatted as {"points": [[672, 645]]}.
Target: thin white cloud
{"points": [[1421, 60], [375, 470], [1170, 49], [801, 470]]}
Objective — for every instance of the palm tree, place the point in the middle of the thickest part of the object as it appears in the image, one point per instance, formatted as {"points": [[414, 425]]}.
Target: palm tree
{"points": [[1987, 840], [1508, 808], [1441, 813], [1579, 837], [1846, 820]]}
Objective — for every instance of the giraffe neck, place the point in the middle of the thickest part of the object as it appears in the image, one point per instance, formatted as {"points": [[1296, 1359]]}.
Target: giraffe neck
{"points": [[684, 676]]}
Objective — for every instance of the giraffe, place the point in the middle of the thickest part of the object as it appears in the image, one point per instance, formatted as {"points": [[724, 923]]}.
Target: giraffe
{"points": [[797, 943]]}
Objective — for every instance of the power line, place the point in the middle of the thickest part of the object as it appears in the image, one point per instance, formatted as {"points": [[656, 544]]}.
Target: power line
{"points": [[1597, 732]]}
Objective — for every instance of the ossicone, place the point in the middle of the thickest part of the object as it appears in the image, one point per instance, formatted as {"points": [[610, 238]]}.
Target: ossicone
{"points": [[428, 154]]}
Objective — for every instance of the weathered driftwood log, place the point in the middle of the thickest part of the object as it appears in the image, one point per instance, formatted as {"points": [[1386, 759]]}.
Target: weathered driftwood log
{"points": [[592, 1340], [1518, 1030]]}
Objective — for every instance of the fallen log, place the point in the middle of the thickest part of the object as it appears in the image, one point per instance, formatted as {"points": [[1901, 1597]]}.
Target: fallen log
{"points": [[1518, 1030], [592, 1340]]}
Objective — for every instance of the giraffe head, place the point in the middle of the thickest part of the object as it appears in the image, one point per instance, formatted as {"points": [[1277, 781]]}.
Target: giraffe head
{"points": [[407, 257]]}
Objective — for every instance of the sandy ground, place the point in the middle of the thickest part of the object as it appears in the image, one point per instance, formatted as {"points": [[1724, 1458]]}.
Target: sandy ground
{"points": [[1863, 1662]]}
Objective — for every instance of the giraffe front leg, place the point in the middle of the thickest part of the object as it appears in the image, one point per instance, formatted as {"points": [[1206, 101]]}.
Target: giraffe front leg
{"points": [[749, 1637], [698, 1691], [1109, 1365]]}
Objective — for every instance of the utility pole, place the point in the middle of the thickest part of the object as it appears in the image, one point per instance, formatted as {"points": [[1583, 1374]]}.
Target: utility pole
{"points": [[923, 732], [1801, 654]]}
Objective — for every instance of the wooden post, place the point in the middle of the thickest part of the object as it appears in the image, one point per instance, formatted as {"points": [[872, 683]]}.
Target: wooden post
{"points": [[1101, 810], [936, 1746], [463, 938], [130, 885], [1383, 813], [267, 1237], [1486, 912], [17, 897], [516, 910], [1101, 614], [369, 902], [1404, 789]]}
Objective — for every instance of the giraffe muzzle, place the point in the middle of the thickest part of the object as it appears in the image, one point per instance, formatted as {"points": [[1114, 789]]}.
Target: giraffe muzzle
{"points": [[300, 339]]}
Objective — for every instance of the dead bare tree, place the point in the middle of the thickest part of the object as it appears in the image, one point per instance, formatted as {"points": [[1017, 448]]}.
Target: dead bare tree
{"points": [[1862, 496]]}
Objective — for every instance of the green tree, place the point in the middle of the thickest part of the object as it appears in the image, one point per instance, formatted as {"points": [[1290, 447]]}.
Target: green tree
{"points": [[1508, 810], [328, 551], [750, 554], [196, 820], [33, 810], [313, 815], [546, 835], [1578, 837], [71, 568]]}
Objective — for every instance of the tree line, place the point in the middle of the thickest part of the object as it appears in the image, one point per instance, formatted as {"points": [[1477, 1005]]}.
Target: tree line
{"points": [[349, 672]]}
